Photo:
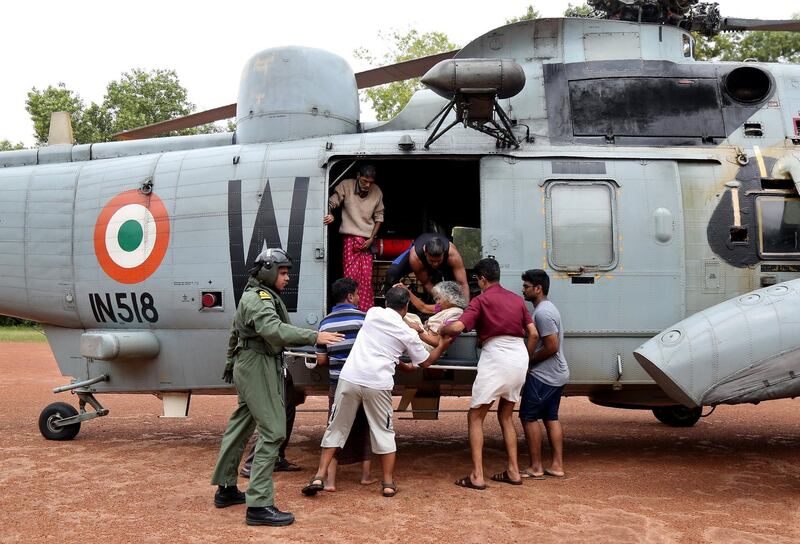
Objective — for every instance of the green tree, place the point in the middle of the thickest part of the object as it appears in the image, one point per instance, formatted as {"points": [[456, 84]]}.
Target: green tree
{"points": [[530, 14], [584, 10], [762, 46], [5, 145], [387, 100], [94, 126], [142, 98], [138, 98], [6, 321]]}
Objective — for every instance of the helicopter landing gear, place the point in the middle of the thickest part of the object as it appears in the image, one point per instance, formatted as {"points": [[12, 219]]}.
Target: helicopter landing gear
{"points": [[677, 415], [51, 422], [61, 421]]}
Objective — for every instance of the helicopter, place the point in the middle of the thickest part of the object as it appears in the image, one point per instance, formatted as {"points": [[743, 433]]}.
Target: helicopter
{"points": [[659, 192]]}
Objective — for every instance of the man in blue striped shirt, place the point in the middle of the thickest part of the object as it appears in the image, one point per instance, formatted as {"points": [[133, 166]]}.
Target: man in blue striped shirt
{"points": [[346, 319]]}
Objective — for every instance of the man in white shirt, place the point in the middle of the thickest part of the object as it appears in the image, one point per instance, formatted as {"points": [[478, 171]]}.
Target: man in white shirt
{"points": [[367, 379]]}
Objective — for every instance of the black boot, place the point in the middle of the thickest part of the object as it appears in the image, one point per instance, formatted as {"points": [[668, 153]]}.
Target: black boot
{"points": [[284, 465], [268, 515], [228, 496]]}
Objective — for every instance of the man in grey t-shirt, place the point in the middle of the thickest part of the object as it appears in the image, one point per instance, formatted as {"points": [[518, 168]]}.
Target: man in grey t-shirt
{"points": [[541, 395]]}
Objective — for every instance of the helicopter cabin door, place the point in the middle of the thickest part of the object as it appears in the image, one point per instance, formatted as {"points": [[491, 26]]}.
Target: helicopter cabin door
{"points": [[609, 232]]}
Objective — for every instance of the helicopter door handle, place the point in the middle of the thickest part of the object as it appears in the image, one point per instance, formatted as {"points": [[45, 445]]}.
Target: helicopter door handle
{"points": [[619, 366]]}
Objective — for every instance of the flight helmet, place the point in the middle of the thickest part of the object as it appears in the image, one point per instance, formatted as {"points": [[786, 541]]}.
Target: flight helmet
{"points": [[267, 264]]}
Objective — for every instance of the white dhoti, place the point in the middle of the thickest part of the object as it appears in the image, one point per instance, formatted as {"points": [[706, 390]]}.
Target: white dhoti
{"points": [[501, 370]]}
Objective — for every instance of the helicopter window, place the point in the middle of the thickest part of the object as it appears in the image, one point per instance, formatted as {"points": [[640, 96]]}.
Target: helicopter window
{"points": [[646, 107], [779, 222], [687, 46], [581, 225], [779, 227]]}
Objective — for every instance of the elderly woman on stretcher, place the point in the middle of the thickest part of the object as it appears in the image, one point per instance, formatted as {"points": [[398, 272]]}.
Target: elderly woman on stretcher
{"points": [[449, 304]]}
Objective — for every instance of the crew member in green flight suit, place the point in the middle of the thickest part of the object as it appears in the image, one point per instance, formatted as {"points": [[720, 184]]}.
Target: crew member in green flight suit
{"points": [[261, 329]]}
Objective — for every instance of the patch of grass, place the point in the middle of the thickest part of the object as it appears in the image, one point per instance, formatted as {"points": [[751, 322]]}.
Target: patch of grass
{"points": [[21, 334]]}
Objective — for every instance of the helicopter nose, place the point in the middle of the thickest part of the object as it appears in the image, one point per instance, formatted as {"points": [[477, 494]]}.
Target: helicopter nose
{"points": [[746, 349]]}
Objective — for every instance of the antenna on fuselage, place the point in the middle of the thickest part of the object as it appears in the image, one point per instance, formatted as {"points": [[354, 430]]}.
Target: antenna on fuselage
{"points": [[60, 129]]}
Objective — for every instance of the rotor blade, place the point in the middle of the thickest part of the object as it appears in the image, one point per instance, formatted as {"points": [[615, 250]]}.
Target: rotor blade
{"points": [[787, 25], [367, 78], [179, 123], [401, 70]]}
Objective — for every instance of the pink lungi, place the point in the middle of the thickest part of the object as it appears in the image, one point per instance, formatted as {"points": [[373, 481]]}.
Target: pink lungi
{"points": [[358, 266]]}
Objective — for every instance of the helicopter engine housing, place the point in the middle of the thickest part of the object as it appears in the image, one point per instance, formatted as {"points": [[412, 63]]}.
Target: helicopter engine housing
{"points": [[288, 93]]}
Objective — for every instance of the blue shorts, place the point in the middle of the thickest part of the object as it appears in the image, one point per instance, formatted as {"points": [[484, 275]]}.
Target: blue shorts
{"points": [[539, 400]]}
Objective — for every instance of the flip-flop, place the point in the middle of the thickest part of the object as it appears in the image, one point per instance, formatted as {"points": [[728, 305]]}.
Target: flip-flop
{"points": [[528, 473], [311, 488], [466, 481], [548, 472], [505, 478]]}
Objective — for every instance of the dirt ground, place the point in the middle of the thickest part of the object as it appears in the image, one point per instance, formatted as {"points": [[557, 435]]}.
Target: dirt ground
{"points": [[134, 477]]}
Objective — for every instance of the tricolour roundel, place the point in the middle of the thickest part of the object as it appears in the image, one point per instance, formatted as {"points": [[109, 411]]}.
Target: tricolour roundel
{"points": [[131, 236]]}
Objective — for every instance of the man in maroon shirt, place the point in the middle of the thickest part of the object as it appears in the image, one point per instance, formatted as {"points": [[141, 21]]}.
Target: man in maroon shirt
{"points": [[501, 320]]}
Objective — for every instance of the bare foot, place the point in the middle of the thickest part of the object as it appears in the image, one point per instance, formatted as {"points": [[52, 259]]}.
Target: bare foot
{"points": [[368, 481], [329, 489], [554, 473]]}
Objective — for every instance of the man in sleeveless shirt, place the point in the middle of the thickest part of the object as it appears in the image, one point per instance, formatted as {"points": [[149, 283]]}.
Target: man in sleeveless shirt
{"points": [[432, 258]]}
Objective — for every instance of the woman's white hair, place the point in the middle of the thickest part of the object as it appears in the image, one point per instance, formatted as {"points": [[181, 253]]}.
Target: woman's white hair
{"points": [[451, 292]]}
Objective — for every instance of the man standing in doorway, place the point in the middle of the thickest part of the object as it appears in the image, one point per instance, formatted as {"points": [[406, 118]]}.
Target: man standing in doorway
{"points": [[501, 319], [541, 396], [362, 216]]}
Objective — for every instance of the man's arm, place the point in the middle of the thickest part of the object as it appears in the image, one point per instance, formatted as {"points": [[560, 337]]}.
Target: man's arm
{"points": [[368, 241], [444, 343], [459, 272], [453, 329], [334, 201], [533, 338], [233, 341], [430, 338], [549, 348], [417, 302], [279, 334]]}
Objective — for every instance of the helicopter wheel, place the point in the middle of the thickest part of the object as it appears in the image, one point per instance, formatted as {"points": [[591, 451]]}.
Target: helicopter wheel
{"points": [[678, 415], [56, 412]]}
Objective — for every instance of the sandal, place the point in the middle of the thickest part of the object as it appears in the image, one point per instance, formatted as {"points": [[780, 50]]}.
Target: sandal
{"points": [[312, 488], [466, 481], [505, 478], [528, 473], [389, 485]]}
